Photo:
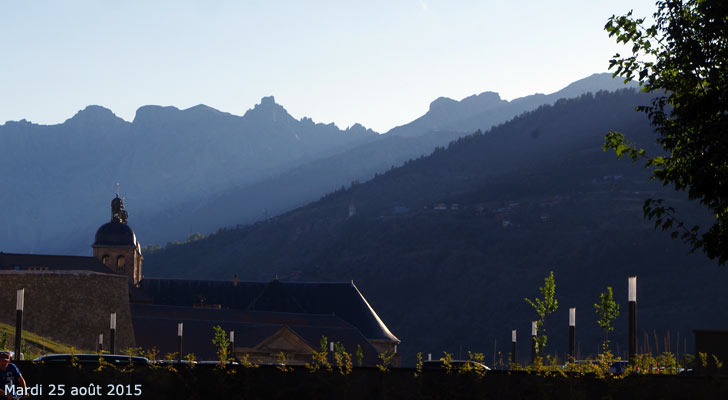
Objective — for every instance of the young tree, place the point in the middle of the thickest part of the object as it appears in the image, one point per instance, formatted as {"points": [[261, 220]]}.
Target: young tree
{"points": [[543, 308], [221, 341], [607, 311], [682, 57]]}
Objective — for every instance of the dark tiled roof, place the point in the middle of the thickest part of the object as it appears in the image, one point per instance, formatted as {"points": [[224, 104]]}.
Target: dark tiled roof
{"points": [[115, 233], [156, 326], [178, 292], [68, 263], [342, 299], [231, 315]]}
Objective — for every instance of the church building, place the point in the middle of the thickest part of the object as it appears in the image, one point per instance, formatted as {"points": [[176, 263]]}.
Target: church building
{"points": [[116, 246]]}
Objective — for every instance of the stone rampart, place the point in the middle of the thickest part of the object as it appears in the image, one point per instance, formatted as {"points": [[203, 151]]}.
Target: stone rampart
{"points": [[72, 307]]}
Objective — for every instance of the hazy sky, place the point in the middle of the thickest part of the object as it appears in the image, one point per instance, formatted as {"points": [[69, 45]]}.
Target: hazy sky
{"points": [[379, 63]]}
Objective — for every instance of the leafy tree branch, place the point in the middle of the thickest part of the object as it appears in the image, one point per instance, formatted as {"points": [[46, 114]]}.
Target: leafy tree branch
{"points": [[682, 57]]}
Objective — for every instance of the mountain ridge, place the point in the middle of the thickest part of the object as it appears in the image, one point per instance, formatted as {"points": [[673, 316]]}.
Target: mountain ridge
{"points": [[480, 111], [591, 83], [168, 159], [165, 156]]}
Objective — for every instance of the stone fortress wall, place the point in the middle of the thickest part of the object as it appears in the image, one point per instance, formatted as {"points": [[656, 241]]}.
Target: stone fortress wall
{"points": [[72, 307]]}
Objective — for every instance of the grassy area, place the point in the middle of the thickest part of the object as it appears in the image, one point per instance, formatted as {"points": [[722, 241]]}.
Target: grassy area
{"points": [[35, 345]]}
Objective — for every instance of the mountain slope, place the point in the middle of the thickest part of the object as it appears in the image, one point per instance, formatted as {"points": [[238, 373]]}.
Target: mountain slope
{"points": [[447, 246], [249, 203], [290, 189]]}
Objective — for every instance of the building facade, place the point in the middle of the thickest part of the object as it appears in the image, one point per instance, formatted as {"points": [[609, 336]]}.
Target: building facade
{"points": [[70, 299]]}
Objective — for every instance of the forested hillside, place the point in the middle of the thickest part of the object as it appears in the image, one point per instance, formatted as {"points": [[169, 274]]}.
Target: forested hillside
{"points": [[447, 246], [446, 120]]}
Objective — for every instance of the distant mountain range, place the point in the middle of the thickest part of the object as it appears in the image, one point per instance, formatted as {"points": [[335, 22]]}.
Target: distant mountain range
{"points": [[58, 180], [487, 109], [199, 169], [447, 246]]}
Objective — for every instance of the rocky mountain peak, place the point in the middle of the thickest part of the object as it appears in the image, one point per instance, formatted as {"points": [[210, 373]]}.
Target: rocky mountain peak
{"points": [[94, 115]]}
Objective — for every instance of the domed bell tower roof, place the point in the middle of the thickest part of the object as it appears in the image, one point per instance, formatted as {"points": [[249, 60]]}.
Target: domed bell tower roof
{"points": [[116, 232]]}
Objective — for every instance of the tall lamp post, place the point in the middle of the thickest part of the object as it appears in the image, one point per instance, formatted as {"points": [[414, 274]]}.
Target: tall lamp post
{"points": [[232, 344], [112, 333], [513, 347], [534, 345], [179, 342], [572, 331], [632, 297], [20, 302]]}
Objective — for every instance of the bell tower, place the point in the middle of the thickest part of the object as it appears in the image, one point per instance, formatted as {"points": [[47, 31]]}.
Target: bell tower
{"points": [[115, 244]]}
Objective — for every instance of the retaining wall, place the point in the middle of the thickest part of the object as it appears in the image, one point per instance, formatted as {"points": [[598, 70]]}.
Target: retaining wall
{"points": [[72, 307]]}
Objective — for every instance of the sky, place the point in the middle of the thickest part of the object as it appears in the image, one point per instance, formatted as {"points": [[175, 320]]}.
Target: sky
{"points": [[378, 63]]}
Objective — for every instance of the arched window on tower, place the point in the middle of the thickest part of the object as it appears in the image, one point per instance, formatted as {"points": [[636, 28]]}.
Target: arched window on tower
{"points": [[120, 262], [105, 259]]}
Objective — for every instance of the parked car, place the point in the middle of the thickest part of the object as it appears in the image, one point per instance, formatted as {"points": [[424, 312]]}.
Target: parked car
{"points": [[172, 362], [12, 355], [195, 362], [619, 367], [86, 359], [434, 365]]}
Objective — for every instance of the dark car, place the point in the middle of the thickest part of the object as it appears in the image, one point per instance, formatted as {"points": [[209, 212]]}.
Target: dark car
{"points": [[172, 362], [434, 365], [86, 359]]}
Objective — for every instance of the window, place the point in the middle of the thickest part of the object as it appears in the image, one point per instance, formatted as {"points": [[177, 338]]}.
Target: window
{"points": [[105, 259], [120, 261]]}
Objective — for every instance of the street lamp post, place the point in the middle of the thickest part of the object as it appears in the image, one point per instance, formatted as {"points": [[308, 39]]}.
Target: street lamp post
{"points": [[513, 347], [572, 331], [179, 342], [19, 304], [112, 333], [534, 345], [232, 344], [632, 297]]}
